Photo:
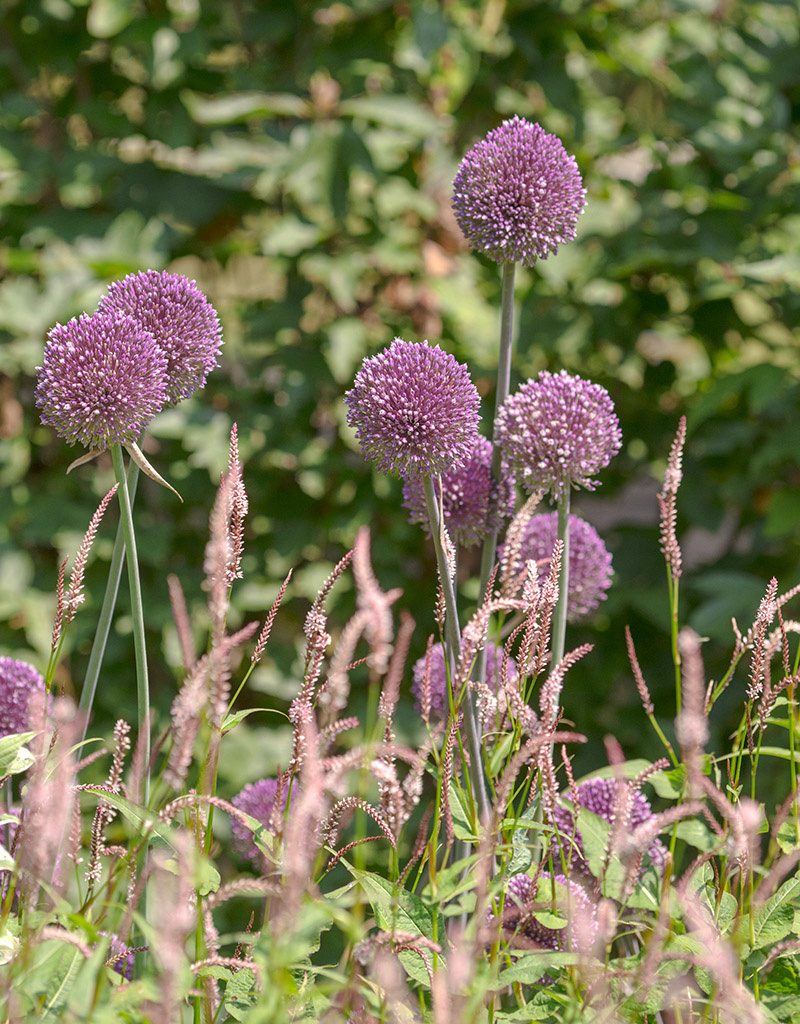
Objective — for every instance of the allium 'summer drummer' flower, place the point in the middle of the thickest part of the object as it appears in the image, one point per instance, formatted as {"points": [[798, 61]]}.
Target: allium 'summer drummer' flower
{"points": [[557, 431], [257, 800], [600, 797], [440, 704], [517, 194], [474, 502], [181, 320], [102, 380], [590, 569], [414, 409], [18, 681], [518, 922]]}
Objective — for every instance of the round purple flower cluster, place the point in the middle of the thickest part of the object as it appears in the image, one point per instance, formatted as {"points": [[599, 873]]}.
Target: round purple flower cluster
{"points": [[557, 431], [18, 681], [517, 194], [600, 796], [582, 915], [256, 799], [474, 503], [590, 569], [414, 409], [440, 703], [152, 341]]}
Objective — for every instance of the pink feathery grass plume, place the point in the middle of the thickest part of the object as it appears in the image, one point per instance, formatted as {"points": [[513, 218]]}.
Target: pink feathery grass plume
{"points": [[102, 379], [557, 431], [414, 409], [18, 682], [590, 569], [183, 324], [473, 502], [517, 194]]}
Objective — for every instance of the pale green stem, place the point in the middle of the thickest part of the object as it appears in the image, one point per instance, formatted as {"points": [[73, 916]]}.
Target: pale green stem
{"points": [[452, 636], [560, 616], [137, 612], [106, 612]]}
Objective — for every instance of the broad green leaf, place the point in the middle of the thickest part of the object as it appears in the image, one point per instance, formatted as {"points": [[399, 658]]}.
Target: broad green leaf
{"points": [[145, 821], [67, 963], [14, 755], [531, 967], [773, 921]]}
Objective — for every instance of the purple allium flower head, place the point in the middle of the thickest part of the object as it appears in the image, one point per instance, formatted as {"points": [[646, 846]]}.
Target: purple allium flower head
{"points": [[590, 569], [101, 381], [257, 799], [599, 796], [557, 431], [517, 194], [474, 503], [579, 932], [414, 409], [440, 705], [18, 681], [121, 955], [181, 320]]}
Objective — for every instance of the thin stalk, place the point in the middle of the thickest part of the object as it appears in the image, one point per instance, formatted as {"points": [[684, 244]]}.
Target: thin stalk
{"points": [[676, 654], [137, 611], [106, 612], [452, 637], [560, 614]]}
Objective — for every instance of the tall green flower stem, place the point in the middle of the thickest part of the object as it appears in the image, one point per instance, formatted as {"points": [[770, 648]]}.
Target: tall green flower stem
{"points": [[452, 638], [106, 612], [137, 611], [560, 616]]}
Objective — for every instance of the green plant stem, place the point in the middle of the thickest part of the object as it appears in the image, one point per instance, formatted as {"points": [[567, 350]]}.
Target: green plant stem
{"points": [[676, 654], [452, 636], [137, 611], [106, 612], [560, 615]]}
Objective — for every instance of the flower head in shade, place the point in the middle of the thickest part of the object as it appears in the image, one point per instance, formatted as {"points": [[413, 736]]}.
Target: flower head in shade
{"points": [[473, 501], [414, 409], [521, 926], [517, 194], [440, 705], [102, 380], [257, 800], [181, 320], [600, 797], [557, 431], [18, 681], [590, 569]]}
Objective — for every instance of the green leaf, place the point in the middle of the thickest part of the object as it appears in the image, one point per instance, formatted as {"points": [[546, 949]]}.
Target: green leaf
{"points": [[14, 755], [530, 968], [773, 921], [232, 720], [145, 821], [69, 961]]}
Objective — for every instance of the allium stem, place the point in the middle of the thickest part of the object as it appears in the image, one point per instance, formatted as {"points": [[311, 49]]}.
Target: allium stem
{"points": [[106, 612], [452, 637], [137, 611], [560, 615]]}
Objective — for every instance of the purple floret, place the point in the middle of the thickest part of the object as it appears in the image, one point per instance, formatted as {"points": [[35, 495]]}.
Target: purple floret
{"points": [[18, 681], [440, 705], [256, 799]]}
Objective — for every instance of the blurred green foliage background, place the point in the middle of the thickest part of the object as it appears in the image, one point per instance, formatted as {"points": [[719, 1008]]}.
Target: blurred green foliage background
{"points": [[296, 160]]}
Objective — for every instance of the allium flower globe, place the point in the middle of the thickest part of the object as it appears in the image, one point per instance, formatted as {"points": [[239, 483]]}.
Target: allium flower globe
{"points": [[102, 380], [257, 800], [517, 194], [180, 319], [517, 924], [590, 569], [557, 431], [600, 797], [474, 503], [18, 681], [414, 409], [440, 704]]}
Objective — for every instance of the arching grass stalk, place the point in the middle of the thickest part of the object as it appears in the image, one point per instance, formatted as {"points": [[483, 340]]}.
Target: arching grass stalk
{"points": [[452, 636], [137, 611], [560, 614], [106, 611]]}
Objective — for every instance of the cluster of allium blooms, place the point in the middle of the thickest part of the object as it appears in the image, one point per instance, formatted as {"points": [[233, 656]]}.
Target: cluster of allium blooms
{"points": [[518, 194], [523, 929], [600, 796], [152, 341], [557, 431], [590, 569], [257, 799], [474, 503], [414, 409], [440, 702], [18, 682]]}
